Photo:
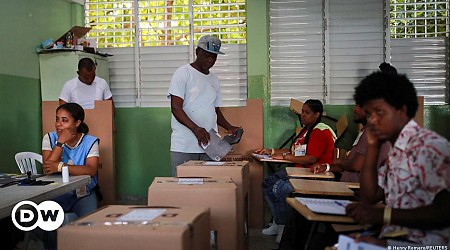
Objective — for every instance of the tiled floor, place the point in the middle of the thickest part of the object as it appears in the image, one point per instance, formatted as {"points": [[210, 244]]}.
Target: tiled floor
{"points": [[259, 241]]}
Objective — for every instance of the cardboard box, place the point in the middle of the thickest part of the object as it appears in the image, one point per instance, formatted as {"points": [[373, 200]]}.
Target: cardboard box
{"points": [[238, 171], [175, 228], [250, 118], [78, 32], [218, 194]]}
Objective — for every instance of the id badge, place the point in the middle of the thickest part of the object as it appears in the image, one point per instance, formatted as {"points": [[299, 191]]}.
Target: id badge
{"points": [[81, 192], [300, 150]]}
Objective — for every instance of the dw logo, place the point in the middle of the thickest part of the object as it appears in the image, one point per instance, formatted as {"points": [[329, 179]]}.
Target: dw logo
{"points": [[48, 215]]}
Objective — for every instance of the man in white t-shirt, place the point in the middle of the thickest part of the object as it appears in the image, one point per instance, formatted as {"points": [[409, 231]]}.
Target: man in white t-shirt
{"points": [[86, 88], [195, 98]]}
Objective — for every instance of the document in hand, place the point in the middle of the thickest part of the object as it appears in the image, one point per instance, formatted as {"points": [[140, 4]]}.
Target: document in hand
{"points": [[325, 206], [216, 148]]}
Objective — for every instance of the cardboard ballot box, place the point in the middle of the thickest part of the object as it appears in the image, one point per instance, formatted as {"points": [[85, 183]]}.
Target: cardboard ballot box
{"points": [[138, 227], [238, 171], [250, 118], [218, 194]]}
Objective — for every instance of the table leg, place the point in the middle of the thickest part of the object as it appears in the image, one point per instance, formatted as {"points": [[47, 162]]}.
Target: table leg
{"points": [[311, 233]]}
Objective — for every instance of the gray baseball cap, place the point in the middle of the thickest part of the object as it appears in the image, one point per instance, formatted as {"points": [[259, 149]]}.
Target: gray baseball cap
{"points": [[211, 44]]}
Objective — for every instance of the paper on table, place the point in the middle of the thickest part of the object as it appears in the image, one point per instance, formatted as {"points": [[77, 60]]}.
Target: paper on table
{"points": [[261, 156], [141, 215], [326, 206]]}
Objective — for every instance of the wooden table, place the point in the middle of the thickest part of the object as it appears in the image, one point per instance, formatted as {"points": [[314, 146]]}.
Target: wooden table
{"points": [[317, 187], [311, 216], [11, 195], [306, 173], [315, 218], [269, 159]]}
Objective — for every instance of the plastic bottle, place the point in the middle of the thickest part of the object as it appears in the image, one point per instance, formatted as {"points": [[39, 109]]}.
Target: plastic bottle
{"points": [[69, 39]]}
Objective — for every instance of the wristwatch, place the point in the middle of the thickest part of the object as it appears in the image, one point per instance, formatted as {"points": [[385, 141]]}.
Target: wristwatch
{"points": [[59, 144]]}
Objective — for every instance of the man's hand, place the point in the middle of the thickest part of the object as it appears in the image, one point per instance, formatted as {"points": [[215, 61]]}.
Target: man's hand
{"points": [[202, 136], [365, 214], [371, 138], [233, 130]]}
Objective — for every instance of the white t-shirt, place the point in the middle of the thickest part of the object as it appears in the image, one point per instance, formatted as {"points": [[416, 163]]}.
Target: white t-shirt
{"points": [[201, 95], [76, 91]]}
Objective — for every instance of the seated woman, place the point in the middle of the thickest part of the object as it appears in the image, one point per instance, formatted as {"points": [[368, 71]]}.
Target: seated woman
{"points": [[71, 146], [314, 144]]}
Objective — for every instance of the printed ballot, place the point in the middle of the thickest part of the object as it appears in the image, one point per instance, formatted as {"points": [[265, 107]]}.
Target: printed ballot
{"points": [[217, 148]]}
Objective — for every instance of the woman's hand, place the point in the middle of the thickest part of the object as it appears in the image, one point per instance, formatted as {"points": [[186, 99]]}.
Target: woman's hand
{"points": [[50, 168], [263, 151], [278, 156], [66, 136]]}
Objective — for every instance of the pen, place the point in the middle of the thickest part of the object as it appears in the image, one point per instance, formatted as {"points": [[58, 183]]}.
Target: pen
{"points": [[339, 203]]}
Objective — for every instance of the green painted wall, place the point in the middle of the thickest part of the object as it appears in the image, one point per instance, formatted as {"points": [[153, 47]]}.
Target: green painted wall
{"points": [[142, 148], [20, 126], [25, 23], [143, 134]]}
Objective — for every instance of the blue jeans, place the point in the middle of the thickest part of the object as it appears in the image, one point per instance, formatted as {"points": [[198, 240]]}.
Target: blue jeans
{"points": [[276, 189]]}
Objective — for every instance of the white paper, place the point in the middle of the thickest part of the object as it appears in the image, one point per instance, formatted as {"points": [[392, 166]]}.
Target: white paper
{"points": [[214, 163], [190, 181], [142, 214], [261, 156], [326, 206]]}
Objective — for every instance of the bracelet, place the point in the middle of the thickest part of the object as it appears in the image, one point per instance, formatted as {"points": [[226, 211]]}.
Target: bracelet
{"points": [[328, 167], [387, 215], [60, 165]]}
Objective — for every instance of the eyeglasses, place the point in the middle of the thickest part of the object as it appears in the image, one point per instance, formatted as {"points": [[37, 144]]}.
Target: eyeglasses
{"points": [[213, 47]]}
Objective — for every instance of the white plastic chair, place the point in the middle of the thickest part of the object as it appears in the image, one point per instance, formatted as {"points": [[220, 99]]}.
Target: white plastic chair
{"points": [[26, 161]]}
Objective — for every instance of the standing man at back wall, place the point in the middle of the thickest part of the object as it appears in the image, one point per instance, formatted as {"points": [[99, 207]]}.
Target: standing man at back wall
{"points": [[86, 88], [195, 98]]}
